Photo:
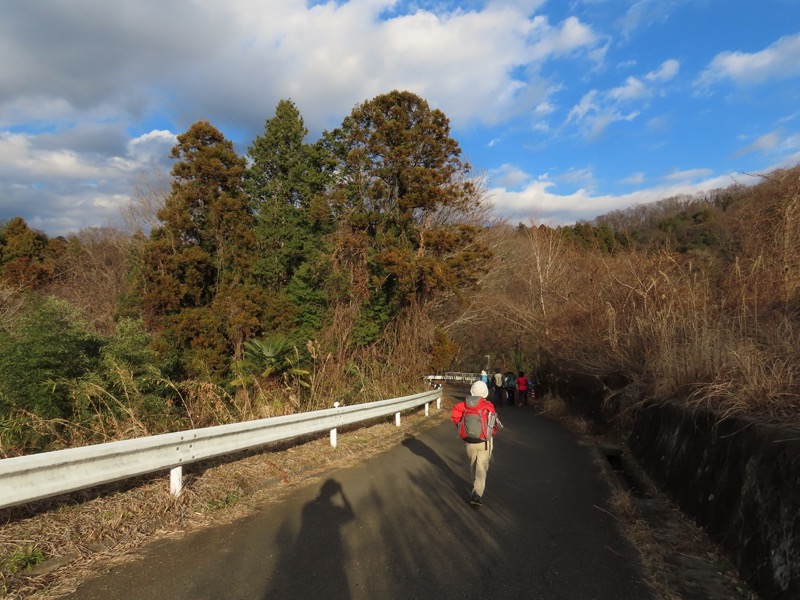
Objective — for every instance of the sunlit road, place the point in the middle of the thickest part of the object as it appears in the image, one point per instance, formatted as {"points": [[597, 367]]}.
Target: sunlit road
{"points": [[399, 526]]}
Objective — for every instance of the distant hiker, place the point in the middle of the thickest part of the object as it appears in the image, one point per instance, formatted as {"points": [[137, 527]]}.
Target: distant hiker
{"points": [[484, 377], [499, 392], [477, 422], [531, 392], [522, 390], [510, 386]]}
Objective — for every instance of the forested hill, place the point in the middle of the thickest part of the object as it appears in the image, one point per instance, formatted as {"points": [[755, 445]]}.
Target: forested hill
{"points": [[708, 225]]}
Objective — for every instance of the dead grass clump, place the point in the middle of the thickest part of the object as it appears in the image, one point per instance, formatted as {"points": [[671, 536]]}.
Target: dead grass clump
{"points": [[579, 425], [756, 377], [623, 503], [554, 406]]}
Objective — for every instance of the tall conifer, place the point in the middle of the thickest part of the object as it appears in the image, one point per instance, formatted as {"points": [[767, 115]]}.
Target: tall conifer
{"points": [[197, 291]]}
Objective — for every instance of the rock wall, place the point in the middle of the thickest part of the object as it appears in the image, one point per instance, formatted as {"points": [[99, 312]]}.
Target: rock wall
{"points": [[738, 480]]}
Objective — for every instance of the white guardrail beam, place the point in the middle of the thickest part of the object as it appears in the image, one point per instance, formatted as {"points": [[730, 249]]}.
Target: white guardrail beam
{"points": [[28, 478], [459, 377]]}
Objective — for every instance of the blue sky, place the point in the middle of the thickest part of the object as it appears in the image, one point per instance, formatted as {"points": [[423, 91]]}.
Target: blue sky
{"points": [[568, 109]]}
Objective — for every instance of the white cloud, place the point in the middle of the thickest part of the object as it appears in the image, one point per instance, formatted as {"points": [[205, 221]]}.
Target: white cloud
{"points": [[535, 200], [332, 56], [764, 143], [152, 147], [635, 179], [643, 14], [667, 71], [791, 143], [777, 61], [587, 105], [82, 78], [595, 112], [559, 41], [686, 175], [598, 109], [632, 90], [61, 190], [243, 56], [508, 176], [578, 176]]}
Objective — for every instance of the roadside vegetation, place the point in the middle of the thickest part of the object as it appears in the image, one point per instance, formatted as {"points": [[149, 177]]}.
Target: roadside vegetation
{"points": [[341, 270], [695, 299], [245, 287]]}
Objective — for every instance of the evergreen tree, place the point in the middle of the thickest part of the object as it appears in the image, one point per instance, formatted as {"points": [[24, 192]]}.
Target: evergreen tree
{"points": [[286, 182], [197, 291], [23, 255], [403, 195], [45, 346]]}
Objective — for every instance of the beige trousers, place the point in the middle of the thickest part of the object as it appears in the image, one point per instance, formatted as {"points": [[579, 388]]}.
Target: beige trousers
{"points": [[479, 456]]}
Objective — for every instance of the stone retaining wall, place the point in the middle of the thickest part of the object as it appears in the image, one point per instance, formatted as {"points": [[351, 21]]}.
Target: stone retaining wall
{"points": [[738, 480]]}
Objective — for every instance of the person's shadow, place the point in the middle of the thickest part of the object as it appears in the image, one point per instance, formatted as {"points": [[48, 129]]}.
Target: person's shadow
{"points": [[422, 449], [313, 565]]}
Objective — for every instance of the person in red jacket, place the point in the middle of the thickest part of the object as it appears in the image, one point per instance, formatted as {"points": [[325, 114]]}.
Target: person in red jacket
{"points": [[522, 390], [479, 445]]}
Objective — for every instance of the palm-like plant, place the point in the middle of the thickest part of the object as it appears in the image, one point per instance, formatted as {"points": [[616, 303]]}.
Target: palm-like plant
{"points": [[274, 357]]}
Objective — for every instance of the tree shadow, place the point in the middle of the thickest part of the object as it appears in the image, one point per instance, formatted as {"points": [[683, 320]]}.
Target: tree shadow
{"points": [[313, 565]]}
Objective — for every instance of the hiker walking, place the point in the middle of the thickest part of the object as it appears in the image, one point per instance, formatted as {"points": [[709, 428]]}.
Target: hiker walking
{"points": [[510, 386], [531, 392], [499, 392], [522, 390], [476, 419]]}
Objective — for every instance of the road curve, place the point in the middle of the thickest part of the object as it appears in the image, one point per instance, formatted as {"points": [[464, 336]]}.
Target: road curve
{"points": [[399, 526]]}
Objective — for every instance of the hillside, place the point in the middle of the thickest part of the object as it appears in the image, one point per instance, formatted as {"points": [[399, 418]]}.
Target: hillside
{"points": [[696, 298]]}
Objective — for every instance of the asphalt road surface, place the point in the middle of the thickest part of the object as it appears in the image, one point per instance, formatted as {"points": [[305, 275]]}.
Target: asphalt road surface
{"points": [[398, 526]]}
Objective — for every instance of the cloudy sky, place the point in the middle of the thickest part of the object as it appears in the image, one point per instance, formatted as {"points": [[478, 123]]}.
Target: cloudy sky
{"points": [[569, 108]]}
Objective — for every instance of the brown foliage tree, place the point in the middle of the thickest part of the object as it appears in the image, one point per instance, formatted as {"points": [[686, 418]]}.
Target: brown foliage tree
{"points": [[24, 256], [405, 191], [196, 291]]}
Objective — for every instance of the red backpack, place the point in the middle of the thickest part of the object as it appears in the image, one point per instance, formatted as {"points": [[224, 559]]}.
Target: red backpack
{"points": [[474, 425]]}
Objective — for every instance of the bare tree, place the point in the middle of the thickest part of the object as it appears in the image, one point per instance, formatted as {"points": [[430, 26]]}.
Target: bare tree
{"points": [[150, 192]]}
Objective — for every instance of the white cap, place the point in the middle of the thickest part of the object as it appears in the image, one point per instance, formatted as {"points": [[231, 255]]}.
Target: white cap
{"points": [[479, 388]]}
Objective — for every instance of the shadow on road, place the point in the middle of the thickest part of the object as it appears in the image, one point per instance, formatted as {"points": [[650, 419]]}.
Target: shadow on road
{"points": [[318, 543], [423, 450]]}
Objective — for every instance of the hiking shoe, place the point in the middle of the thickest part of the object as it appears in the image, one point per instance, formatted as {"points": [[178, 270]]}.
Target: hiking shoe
{"points": [[475, 500]]}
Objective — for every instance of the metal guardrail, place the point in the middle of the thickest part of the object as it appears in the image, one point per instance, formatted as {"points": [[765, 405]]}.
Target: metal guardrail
{"points": [[27, 478], [461, 377]]}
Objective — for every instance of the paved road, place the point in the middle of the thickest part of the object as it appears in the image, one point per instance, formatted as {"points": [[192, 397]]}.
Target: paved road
{"points": [[398, 526]]}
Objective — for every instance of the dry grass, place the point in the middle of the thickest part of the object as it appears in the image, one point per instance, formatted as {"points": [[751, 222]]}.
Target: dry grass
{"points": [[640, 534], [553, 406], [557, 408], [720, 326], [89, 532]]}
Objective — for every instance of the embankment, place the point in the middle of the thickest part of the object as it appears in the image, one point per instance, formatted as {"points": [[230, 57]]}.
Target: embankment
{"points": [[735, 477]]}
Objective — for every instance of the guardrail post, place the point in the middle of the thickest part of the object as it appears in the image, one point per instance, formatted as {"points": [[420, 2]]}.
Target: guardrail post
{"points": [[427, 410], [397, 419], [333, 431], [176, 481]]}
